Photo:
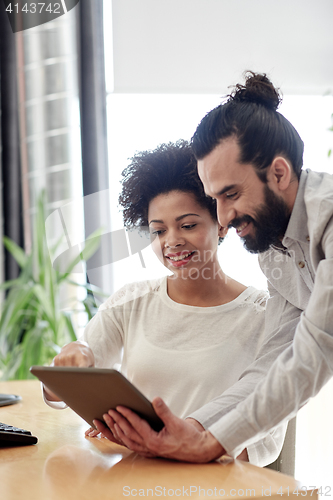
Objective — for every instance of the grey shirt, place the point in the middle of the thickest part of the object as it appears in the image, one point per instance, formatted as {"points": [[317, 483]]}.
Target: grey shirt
{"points": [[299, 312]]}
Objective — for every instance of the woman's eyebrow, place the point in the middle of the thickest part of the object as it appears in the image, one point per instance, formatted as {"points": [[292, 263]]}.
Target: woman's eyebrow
{"points": [[160, 221], [155, 220], [185, 215]]}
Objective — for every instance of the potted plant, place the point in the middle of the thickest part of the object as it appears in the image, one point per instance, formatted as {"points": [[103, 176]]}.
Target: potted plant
{"points": [[33, 325]]}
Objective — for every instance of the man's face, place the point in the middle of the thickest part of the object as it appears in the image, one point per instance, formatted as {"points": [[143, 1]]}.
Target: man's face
{"points": [[259, 215]]}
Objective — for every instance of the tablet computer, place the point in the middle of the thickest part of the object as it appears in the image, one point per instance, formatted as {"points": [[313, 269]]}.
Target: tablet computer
{"points": [[91, 392]]}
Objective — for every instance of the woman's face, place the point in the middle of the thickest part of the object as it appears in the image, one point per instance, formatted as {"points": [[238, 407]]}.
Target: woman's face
{"points": [[185, 237]]}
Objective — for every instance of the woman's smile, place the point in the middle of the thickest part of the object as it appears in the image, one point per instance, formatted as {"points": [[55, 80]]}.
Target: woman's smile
{"points": [[179, 259]]}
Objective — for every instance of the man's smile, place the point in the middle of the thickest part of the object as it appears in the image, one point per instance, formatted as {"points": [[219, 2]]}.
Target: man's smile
{"points": [[243, 229]]}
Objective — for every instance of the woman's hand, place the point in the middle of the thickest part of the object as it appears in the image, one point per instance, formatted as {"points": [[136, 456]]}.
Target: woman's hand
{"points": [[76, 353], [107, 430], [91, 432]]}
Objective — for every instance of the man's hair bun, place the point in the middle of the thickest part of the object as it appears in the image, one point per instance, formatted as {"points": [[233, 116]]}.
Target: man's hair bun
{"points": [[250, 116], [258, 89]]}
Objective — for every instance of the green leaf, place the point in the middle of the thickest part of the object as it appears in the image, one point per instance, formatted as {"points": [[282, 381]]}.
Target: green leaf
{"points": [[11, 363], [32, 351], [16, 251], [14, 310], [70, 327], [91, 245], [9, 284], [32, 323], [46, 308]]}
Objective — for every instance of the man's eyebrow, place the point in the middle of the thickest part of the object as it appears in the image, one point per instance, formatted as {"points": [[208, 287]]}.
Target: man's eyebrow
{"points": [[226, 189], [177, 218]]}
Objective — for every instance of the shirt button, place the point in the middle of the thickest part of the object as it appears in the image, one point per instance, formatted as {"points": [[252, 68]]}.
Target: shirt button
{"points": [[301, 264], [308, 238]]}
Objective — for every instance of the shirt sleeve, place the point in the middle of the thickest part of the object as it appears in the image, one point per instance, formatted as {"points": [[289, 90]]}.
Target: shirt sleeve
{"points": [[297, 374], [104, 335], [266, 450]]}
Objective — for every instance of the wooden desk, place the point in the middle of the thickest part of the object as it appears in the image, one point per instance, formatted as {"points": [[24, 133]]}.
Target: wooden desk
{"points": [[67, 465]]}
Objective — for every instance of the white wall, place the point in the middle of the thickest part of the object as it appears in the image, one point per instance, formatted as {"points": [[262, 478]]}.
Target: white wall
{"points": [[202, 46]]}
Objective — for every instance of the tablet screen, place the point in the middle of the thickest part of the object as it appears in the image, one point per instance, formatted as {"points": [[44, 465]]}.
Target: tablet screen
{"points": [[91, 392]]}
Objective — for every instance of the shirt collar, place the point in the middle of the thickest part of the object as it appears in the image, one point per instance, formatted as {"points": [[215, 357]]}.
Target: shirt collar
{"points": [[297, 228]]}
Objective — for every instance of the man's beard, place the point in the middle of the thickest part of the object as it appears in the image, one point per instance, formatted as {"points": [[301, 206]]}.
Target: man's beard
{"points": [[270, 223]]}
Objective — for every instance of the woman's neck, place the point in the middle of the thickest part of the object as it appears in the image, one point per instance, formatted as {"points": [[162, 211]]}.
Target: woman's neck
{"points": [[208, 291]]}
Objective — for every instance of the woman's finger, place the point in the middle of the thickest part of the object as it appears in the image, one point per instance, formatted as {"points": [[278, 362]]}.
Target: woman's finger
{"points": [[106, 432], [91, 432]]}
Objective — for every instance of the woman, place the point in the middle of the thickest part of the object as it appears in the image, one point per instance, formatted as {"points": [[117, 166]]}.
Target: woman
{"points": [[186, 337]]}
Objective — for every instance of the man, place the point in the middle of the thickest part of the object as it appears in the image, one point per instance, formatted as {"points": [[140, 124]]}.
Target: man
{"points": [[250, 160]]}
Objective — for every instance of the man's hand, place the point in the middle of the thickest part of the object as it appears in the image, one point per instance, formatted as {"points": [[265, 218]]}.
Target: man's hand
{"points": [[178, 439], [242, 456], [196, 424]]}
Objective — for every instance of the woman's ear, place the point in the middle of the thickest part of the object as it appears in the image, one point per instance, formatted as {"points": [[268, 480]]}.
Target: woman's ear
{"points": [[223, 231]]}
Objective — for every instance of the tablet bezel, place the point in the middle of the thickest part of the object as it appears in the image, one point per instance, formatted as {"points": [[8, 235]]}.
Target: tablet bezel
{"points": [[91, 392]]}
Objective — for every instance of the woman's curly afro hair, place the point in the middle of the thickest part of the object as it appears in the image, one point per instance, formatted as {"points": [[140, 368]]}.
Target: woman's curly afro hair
{"points": [[169, 167]]}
